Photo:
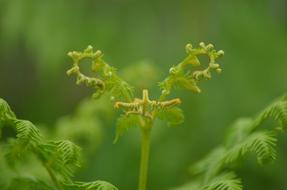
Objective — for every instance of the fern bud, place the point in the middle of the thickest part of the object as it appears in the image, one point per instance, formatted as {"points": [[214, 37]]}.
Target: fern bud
{"points": [[218, 70], [188, 48], [209, 46], [172, 70], [220, 53], [202, 44], [89, 49]]}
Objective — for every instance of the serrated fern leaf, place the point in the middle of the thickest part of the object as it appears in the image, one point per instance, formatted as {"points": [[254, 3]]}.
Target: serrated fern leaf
{"points": [[209, 165], [277, 111], [5, 111], [61, 157], [226, 181], [173, 116], [27, 132], [238, 131], [70, 152], [261, 143], [95, 185], [28, 138], [125, 122]]}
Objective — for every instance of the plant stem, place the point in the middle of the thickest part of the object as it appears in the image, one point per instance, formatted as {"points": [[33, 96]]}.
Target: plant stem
{"points": [[54, 179], [145, 148]]}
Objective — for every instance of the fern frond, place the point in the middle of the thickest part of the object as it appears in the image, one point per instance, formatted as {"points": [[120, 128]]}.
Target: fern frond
{"points": [[61, 157], [277, 111], [95, 185], [225, 181], [181, 76], [238, 131], [261, 143], [107, 78], [70, 152], [27, 132], [5, 111], [125, 122], [28, 138], [209, 165]]}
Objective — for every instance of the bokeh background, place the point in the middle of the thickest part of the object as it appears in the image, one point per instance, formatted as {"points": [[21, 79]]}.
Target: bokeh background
{"points": [[144, 38]]}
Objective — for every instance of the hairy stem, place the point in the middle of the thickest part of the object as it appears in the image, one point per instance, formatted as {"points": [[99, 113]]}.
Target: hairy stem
{"points": [[145, 149], [54, 179]]}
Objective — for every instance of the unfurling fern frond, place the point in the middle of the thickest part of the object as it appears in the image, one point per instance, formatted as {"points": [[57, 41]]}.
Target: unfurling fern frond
{"points": [[106, 78], [95, 185], [181, 76]]}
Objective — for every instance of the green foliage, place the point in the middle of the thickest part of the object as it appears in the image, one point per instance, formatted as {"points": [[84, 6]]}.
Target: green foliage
{"points": [[224, 181], [60, 157], [125, 122], [143, 112], [5, 111], [173, 116], [96, 185], [244, 137], [28, 184]]}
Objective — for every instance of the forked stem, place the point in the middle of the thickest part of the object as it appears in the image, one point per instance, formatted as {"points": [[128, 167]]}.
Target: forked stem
{"points": [[145, 149]]}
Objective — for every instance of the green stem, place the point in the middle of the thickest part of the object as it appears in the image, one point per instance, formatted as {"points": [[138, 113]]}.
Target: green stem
{"points": [[54, 179], [145, 148]]}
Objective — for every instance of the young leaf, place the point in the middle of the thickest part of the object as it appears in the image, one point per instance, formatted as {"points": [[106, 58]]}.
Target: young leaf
{"points": [[173, 116], [125, 122]]}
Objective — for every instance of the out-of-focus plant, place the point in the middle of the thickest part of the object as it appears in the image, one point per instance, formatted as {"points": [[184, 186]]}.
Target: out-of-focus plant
{"points": [[246, 136], [60, 158], [143, 112]]}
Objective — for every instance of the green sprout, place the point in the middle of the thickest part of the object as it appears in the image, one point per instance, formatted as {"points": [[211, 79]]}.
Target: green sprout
{"points": [[143, 112]]}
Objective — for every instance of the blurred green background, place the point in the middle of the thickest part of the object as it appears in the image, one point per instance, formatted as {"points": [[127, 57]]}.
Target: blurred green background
{"points": [[148, 35]]}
